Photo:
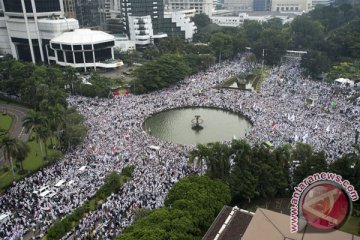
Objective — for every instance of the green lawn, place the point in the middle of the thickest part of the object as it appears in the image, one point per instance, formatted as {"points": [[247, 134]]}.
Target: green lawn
{"points": [[33, 162], [352, 226], [5, 121]]}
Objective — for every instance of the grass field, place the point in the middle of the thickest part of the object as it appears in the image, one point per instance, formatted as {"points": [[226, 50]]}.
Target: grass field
{"points": [[5, 121], [33, 162]]}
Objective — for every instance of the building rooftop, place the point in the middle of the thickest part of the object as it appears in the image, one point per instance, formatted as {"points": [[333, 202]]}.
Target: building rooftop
{"points": [[56, 20], [270, 225], [83, 36], [228, 13], [229, 228]]}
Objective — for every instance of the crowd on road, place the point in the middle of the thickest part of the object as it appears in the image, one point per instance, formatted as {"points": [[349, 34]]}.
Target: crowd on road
{"points": [[289, 108]]}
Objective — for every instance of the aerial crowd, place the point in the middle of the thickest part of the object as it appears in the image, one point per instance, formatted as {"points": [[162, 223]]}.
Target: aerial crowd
{"points": [[288, 108]]}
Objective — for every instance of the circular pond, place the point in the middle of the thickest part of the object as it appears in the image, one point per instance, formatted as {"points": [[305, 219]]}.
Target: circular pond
{"points": [[180, 125]]}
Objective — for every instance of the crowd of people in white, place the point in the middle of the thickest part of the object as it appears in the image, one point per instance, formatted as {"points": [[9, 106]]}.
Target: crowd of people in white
{"points": [[289, 108]]}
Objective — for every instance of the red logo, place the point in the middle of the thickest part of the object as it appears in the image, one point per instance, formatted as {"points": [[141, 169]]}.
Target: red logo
{"points": [[326, 206]]}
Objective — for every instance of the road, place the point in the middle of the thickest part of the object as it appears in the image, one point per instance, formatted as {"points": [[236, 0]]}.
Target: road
{"points": [[16, 130]]}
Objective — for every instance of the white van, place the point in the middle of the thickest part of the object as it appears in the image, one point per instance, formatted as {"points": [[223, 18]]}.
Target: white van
{"points": [[4, 217], [41, 190]]}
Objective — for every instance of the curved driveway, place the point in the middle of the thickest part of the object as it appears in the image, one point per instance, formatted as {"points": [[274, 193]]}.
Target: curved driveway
{"points": [[16, 130]]}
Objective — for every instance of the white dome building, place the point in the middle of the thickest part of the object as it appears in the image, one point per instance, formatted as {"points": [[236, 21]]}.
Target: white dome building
{"points": [[84, 48]]}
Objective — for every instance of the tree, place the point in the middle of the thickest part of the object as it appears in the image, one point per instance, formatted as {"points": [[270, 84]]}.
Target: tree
{"points": [[22, 153], [315, 63], [40, 125], [151, 53], [190, 207], [162, 72], [201, 20], [306, 33], [161, 224], [73, 135], [222, 45], [198, 62], [13, 148], [253, 30], [71, 79], [42, 135], [217, 161], [171, 45], [201, 197], [243, 182], [273, 44], [309, 162], [16, 74], [273, 23], [344, 41]]}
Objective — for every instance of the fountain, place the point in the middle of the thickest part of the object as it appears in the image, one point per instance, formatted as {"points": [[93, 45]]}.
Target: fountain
{"points": [[196, 123]]}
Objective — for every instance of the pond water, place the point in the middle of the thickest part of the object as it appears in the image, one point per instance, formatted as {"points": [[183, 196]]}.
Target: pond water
{"points": [[176, 125]]}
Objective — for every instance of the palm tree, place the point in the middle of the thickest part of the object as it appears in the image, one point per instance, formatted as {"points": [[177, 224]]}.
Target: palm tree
{"points": [[43, 133], [36, 121], [56, 116], [13, 148], [23, 151], [199, 156]]}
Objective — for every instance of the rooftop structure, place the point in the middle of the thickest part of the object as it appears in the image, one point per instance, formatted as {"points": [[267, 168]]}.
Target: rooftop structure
{"points": [[291, 6], [234, 19], [200, 6], [239, 5], [84, 48], [270, 225], [230, 224], [145, 21]]}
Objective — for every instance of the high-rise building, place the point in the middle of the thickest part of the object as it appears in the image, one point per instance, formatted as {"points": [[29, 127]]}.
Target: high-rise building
{"points": [[69, 8], [200, 6], [239, 5], [262, 5], [26, 24], [144, 21], [322, 2], [291, 5], [87, 13], [37, 31], [104, 12]]}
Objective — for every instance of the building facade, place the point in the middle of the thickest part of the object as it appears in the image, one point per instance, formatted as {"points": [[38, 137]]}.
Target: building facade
{"points": [[145, 21], [87, 13], [27, 37], [322, 2], [200, 6], [84, 48], [291, 5], [69, 8], [234, 20], [30, 30], [239, 5], [178, 23], [262, 5]]}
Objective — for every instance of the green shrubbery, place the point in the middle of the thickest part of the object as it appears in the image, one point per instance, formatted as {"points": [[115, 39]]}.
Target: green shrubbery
{"points": [[113, 183], [190, 207]]}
